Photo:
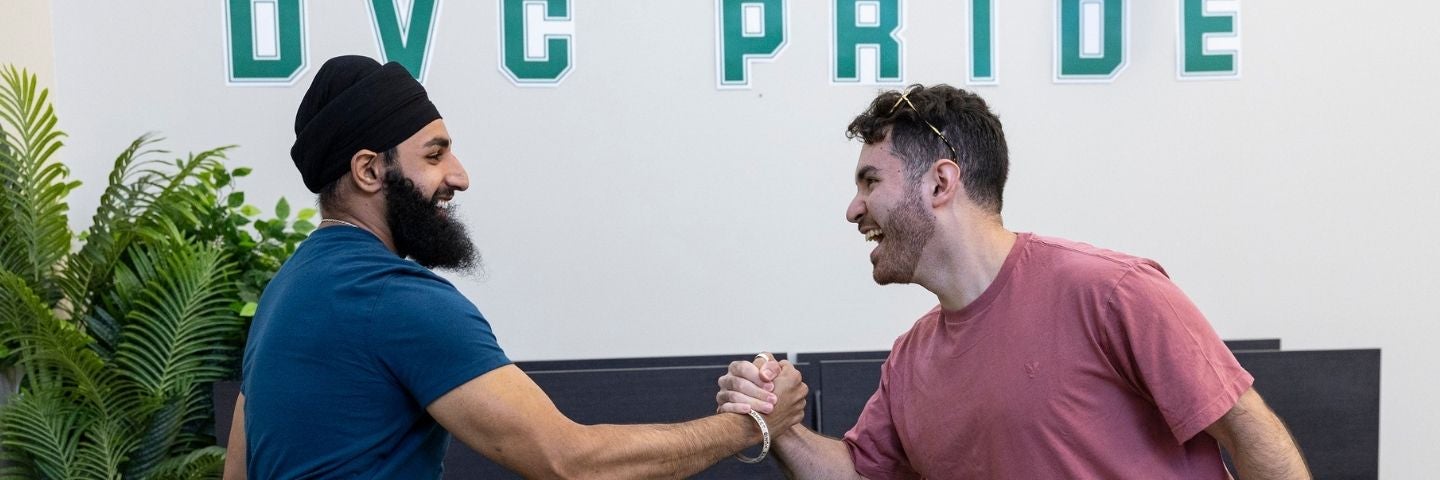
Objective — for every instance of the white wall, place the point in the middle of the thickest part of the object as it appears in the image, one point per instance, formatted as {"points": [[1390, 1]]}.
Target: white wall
{"points": [[26, 40], [636, 211]]}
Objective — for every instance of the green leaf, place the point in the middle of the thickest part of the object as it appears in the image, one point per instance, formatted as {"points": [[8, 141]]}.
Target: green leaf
{"points": [[249, 309], [282, 209], [303, 227], [236, 199], [305, 214], [240, 172], [249, 211]]}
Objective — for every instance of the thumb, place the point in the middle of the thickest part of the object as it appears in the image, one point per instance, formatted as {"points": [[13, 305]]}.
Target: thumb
{"points": [[769, 369]]}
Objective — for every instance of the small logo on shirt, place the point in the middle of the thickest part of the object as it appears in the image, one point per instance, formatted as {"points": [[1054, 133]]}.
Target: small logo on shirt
{"points": [[1032, 369]]}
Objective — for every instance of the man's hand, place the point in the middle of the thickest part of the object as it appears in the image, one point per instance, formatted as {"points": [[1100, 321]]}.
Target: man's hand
{"points": [[772, 388], [790, 391], [748, 386], [763, 386]]}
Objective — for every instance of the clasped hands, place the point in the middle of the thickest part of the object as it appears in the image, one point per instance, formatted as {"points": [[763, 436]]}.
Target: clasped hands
{"points": [[770, 388]]}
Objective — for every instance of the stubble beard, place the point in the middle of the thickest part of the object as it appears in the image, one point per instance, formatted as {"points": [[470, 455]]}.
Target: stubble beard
{"points": [[911, 227]]}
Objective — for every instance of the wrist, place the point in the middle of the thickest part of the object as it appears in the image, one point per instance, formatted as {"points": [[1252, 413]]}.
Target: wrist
{"points": [[763, 429], [792, 436]]}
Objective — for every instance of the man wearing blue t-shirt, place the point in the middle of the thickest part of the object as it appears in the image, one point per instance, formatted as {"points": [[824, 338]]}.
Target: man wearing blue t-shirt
{"points": [[361, 363]]}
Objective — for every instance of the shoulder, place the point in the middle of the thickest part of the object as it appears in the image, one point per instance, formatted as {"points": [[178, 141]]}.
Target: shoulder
{"points": [[409, 288], [1080, 265]]}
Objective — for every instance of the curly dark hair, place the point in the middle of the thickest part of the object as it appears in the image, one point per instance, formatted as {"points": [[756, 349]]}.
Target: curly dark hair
{"points": [[967, 122]]}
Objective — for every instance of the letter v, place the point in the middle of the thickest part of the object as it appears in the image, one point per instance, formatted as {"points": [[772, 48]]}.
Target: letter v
{"points": [[405, 40]]}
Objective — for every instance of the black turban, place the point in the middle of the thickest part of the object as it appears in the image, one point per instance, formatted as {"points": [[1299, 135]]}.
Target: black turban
{"points": [[354, 104]]}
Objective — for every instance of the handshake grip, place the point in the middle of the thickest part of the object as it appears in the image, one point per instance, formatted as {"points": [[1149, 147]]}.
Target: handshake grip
{"points": [[774, 390]]}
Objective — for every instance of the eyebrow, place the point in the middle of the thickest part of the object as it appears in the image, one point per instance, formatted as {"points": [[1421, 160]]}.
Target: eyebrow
{"points": [[442, 142], [863, 171]]}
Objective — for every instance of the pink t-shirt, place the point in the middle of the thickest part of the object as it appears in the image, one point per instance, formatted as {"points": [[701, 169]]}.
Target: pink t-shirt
{"points": [[1077, 362]]}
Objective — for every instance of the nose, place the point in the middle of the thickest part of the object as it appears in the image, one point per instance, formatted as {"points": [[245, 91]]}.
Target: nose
{"points": [[856, 210], [456, 178]]}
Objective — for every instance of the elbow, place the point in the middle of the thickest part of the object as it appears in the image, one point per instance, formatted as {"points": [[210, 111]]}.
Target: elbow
{"points": [[574, 457], [563, 466]]}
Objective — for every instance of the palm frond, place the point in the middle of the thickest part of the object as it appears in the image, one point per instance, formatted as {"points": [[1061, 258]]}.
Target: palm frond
{"points": [[46, 429], [205, 463], [87, 270], [162, 434], [141, 192], [107, 446], [34, 229], [52, 353], [181, 327]]}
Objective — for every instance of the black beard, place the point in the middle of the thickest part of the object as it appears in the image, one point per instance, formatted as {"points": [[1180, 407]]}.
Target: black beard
{"points": [[421, 232], [906, 234]]}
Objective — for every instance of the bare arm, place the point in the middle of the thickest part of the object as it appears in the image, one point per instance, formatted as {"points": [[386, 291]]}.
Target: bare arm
{"points": [[1258, 441], [802, 453], [235, 451], [506, 417], [806, 454]]}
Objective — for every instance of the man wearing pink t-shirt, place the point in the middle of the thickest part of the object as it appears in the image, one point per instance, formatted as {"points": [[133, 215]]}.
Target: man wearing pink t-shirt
{"points": [[1046, 358]]}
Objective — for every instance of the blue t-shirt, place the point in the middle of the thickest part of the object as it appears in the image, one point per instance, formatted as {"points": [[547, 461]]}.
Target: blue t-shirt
{"points": [[349, 345]]}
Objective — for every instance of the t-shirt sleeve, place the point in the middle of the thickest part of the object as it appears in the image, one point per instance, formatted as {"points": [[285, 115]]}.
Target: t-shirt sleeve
{"points": [[1164, 346], [430, 337], [873, 442]]}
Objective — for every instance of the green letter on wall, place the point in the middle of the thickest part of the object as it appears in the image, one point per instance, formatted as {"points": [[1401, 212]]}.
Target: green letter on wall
{"points": [[867, 24], [1092, 40], [982, 43], [1195, 27], [747, 30], [539, 56], [266, 40], [405, 42]]}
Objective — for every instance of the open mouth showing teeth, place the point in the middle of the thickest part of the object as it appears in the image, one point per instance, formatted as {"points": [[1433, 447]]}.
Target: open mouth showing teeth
{"points": [[443, 204], [874, 236]]}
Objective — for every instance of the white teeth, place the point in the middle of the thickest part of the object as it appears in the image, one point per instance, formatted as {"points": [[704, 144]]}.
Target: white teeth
{"points": [[873, 235]]}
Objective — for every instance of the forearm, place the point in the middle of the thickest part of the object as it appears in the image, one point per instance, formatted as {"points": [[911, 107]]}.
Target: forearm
{"points": [[1270, 453], [1258, 441], [805, 454], [235, 451], [659, 451]]}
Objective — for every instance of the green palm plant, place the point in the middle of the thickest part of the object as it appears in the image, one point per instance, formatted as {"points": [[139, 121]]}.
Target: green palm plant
{"points": [[114, 344]]}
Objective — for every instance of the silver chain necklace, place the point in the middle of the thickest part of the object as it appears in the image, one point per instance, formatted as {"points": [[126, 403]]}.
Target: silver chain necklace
{"points": [[341, 222]]}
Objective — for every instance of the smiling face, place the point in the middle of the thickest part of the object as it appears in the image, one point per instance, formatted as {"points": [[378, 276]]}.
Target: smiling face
{"points": [[889, 210], [419, 186]]}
